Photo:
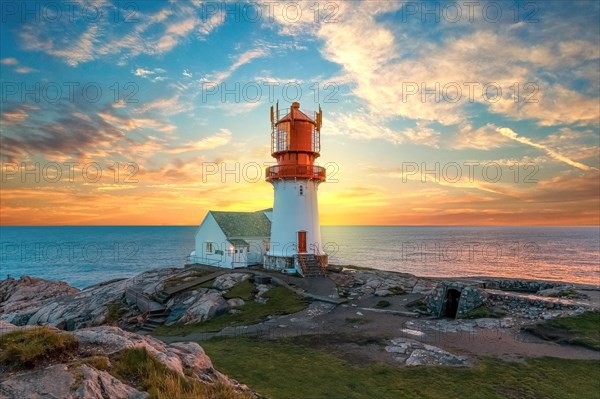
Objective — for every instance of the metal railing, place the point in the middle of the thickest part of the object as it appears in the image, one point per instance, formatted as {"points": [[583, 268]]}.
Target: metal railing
{"points": [[280, 135], [290, 171], [192, 259]]}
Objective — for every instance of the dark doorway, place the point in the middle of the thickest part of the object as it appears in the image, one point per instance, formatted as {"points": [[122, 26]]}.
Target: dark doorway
{"points": [[451, 303]]}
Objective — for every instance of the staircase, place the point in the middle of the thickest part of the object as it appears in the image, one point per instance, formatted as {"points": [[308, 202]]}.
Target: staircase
{"points": [[155, 318], [310, 265], [158, 313]]}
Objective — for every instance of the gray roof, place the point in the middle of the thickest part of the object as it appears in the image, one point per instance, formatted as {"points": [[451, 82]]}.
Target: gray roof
{"points": [[237, 242], [243, 224]]}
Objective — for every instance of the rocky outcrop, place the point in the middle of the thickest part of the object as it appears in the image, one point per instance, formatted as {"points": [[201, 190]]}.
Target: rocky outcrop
{"points": [[357, 283], [100, 384], [210, 304], [228, 281], [50, 382], [27, 293], [76, 379], [415, 353], [176, 356], [39, 302]]}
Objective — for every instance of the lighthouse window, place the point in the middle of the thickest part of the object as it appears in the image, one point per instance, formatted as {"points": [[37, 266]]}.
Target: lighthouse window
{"points": [[301, 190]]}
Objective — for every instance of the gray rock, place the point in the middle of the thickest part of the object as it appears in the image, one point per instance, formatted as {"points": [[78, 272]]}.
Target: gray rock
{"points": [[205, 307], [229, 280], [98, 384], [236, 302], [50, 382]]}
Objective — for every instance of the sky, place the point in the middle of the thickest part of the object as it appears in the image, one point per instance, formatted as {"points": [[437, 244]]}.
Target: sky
{"points": [[434, 113]]}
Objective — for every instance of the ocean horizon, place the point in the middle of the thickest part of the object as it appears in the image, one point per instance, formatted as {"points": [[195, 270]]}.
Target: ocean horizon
{"points": [[87, 255]]}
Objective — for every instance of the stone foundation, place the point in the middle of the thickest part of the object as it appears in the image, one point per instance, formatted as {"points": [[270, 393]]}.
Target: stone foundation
{"points": [[278, 262]]}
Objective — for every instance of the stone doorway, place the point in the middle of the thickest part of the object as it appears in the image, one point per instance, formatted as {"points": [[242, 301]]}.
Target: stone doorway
{"points": [[451, 303]]}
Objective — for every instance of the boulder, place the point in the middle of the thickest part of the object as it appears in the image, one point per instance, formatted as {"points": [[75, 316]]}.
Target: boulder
{"points": [[229, 280], [68, 307], [236, 302], [205, 307], [176, 356], [50, 382], [25, 294], [99, 384]]}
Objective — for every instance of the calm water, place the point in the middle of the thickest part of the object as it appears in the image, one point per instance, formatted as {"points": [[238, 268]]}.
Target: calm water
{"points": [[87, 255]]}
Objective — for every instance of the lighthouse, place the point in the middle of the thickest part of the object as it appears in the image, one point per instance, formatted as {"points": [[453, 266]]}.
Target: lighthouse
{"points": [[295, 244]]}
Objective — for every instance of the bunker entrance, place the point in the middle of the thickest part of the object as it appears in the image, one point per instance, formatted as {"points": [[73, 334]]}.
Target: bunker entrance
{"points": [[451, 303]]}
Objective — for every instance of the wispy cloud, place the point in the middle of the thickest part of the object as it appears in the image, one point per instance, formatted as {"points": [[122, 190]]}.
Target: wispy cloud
{"points": [[511, 134], [242, 59]]}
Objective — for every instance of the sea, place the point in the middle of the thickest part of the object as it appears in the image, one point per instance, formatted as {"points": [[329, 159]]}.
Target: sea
{"points": [[86, 255]]}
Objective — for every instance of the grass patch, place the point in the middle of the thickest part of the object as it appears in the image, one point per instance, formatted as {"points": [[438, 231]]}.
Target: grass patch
{"points": [[382, 304], [31, 347], [583, 330], [397, 290], [114, 312], [245, 290], [178, 280], [318, 374], [483, 311], [280, 301], [569, 294], [138, 368]]}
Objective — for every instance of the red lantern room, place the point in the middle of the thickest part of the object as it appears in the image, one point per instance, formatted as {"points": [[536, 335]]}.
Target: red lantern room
{"points": [[295, 143]]}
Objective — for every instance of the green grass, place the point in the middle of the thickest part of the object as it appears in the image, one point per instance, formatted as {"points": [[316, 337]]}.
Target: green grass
{"points": [[397, 291], [583, 330], [245, 290], [382, 304], [114, 312], [280, 301], [483, 311], [138, 368], [569, 294], [288, 370], [32, 347]]}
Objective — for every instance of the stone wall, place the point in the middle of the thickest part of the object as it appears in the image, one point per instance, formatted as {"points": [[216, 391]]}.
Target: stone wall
{"points": [[470, 298]]}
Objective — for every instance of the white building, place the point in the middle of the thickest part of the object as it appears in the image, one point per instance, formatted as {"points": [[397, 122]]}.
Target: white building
{"points": [[232, 239], [287, 237], [295, 230]]}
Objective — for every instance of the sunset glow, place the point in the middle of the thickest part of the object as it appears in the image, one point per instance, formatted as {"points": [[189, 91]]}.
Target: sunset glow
{"points": [[156, 112]]}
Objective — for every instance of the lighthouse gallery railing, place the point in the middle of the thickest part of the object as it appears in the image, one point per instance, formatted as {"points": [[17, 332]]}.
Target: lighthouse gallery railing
{"points": [[301, 171]]}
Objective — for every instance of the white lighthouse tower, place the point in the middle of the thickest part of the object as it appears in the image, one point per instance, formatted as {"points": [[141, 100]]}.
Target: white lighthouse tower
{"points": [[295, 231]]}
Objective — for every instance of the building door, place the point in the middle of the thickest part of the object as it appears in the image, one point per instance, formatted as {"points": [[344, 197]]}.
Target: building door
{"points": [[302, 242]]}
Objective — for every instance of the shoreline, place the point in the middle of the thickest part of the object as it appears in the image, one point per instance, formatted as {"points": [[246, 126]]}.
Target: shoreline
{"points": [[473, 278]]}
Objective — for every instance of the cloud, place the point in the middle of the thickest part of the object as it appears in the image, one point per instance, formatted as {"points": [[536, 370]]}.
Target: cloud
{"points": [[483, 138], [208, 143], [152, 33], [368, 126], [397, 60], [166, 106], [130, 124], [511, 134], [242, 59], [24, 70], [9, 61]]}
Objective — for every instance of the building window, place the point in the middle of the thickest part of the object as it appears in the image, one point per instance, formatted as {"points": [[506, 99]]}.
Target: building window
{"points": [[248, 248], [209, 247], [267, 245]]}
